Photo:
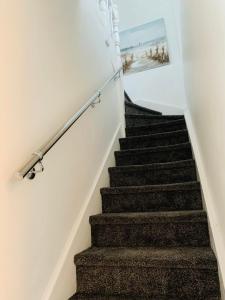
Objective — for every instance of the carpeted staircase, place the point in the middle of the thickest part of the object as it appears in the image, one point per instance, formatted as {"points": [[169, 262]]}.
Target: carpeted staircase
{"points": [[152, 240]]}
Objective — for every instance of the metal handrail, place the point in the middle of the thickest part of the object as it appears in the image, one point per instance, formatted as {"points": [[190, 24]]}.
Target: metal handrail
{"points": [[29, 167]]}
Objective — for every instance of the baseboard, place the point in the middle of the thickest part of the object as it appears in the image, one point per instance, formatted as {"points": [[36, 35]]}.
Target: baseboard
{"points": [[166, 109], [216, 234], [58, 288]]}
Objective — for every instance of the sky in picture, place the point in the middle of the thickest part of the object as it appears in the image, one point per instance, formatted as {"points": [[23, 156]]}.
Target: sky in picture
{"points": [[142, 34]]}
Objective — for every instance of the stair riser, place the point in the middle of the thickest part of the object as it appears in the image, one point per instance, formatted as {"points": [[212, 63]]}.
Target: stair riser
{"points": [[147, 177], [139, 121], [126, 144], [153, 157], [153, 282], [162, 129], [134, 110], [168, 234], [152, 201]]}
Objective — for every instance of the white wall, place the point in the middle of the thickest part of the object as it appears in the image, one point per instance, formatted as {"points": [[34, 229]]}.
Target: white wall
{"points": [[53, 57], [162, 86], [203, 31]]}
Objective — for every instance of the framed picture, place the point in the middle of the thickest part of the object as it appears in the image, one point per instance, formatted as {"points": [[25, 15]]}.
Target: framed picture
{"points": [[144, 47]]}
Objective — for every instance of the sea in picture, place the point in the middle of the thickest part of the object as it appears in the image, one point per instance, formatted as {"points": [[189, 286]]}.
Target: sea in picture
{"points": [[144, 47]]}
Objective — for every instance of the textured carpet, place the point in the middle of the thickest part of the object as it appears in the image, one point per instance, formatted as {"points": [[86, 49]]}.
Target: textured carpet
{"points": [[152, 239], [131, 108], [161, 127], [79, 296], [152, 140]]}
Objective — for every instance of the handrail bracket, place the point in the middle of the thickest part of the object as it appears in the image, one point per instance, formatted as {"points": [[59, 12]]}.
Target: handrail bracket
{"points": [[32, 173], [98, 99]]}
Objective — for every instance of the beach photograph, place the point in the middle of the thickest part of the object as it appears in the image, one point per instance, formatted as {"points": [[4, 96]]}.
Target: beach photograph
{"points": [[144, 47]]}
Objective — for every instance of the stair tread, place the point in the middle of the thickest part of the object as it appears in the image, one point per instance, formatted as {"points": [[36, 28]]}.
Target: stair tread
{"points": [[154, 139], [155, 154], [177, 257], [154, 125], [154, 149], [155, 135], [149, 217], [151, 188], [161, 117], [154, 166], [146, 198]]}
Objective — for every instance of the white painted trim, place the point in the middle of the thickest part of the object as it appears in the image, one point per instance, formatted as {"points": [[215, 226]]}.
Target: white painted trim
{"points": [[65, 252], [217, 242]]}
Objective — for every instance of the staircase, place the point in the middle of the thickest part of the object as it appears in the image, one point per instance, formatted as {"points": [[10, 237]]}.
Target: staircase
{"points": [[152, 240]]}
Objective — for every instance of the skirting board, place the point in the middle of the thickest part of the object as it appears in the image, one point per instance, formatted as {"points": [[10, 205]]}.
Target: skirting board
{"points": [[216, 235], [62, 282], [162, 107]]}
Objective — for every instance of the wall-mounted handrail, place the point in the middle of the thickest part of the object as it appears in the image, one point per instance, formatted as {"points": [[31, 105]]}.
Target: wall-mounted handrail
{"points": [[29, 167]]}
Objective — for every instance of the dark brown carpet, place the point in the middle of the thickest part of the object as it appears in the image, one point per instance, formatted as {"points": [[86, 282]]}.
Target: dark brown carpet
{"points": [[152, 239]]}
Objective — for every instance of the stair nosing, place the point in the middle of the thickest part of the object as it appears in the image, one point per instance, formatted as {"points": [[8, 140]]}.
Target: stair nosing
{"points": [[156, 135], [159, 217], [156, 124], [154, 149], [186, 186], [148, 261], [143, 116], [155, 166]]}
